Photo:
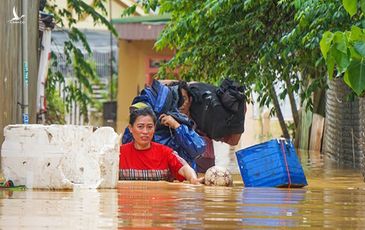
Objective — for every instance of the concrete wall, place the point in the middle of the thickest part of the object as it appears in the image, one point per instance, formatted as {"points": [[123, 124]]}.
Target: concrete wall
{"points": [[117, 7], [87, 22]]}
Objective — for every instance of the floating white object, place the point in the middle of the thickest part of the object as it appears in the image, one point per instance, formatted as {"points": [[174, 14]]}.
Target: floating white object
{"points": [[218, 176], [60, 156]]}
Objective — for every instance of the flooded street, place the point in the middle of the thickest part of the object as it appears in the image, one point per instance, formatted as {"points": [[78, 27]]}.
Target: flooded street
{"points": [[334, 198]]}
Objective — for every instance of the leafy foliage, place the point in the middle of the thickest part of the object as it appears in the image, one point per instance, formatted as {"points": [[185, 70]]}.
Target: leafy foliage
{"points": [[56, 108], [55, 105], [263, 44], [245, 40], [78, 91], [345, 51]]}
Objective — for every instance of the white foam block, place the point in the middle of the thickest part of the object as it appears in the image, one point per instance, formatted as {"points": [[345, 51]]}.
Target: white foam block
{"points": [[60, 156]]}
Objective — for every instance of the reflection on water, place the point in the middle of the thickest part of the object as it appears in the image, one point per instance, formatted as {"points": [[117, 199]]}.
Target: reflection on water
{"points": [[334, 198], [270, 207]]}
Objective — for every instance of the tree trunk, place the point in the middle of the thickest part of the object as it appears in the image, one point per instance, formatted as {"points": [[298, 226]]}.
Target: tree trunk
{"points": [[293, 105], [319, 102], [279, 114]]}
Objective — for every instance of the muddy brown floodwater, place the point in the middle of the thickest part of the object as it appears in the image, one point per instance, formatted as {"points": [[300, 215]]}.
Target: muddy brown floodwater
{"points": [[334, 198]]}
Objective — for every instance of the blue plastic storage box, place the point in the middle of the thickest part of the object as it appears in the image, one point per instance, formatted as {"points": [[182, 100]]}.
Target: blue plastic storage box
{"points": [[271, 164]]}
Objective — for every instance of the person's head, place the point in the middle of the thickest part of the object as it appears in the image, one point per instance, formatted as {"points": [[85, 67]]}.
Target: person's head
{"points": [[184, 96], [142, 124]]}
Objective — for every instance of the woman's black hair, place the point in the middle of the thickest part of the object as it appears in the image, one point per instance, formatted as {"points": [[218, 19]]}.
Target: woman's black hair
{"points": [[135, 113], [181, 85]]}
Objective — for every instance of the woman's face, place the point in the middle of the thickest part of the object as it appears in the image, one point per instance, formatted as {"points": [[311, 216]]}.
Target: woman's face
{"points": [[142, 131], [185, 107]]}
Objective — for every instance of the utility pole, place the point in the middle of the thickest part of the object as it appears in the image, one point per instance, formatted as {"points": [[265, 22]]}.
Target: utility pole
{"points": [[25, 107], [111, 52]]}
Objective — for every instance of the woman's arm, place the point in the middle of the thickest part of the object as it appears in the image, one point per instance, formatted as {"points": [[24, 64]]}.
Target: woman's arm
{"points": [[190, 140], [189, 173], [186, 137]]}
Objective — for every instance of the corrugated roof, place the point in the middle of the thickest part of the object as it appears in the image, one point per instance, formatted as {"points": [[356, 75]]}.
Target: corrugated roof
{"points": [[139, 31], [153, 19], [99, 40]]}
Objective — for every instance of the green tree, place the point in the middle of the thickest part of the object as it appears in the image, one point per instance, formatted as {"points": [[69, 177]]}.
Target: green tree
{"points": [[257, 43], [80, 91], [263, 44], [344, 50], [240, 39]]}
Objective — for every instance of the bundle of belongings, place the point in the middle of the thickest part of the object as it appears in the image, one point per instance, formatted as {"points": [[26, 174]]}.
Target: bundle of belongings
{"points": [[217, 112]]}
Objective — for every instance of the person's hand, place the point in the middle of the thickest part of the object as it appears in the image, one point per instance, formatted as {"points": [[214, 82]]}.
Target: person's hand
{"points": [[169, 121], [197, 180]]}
